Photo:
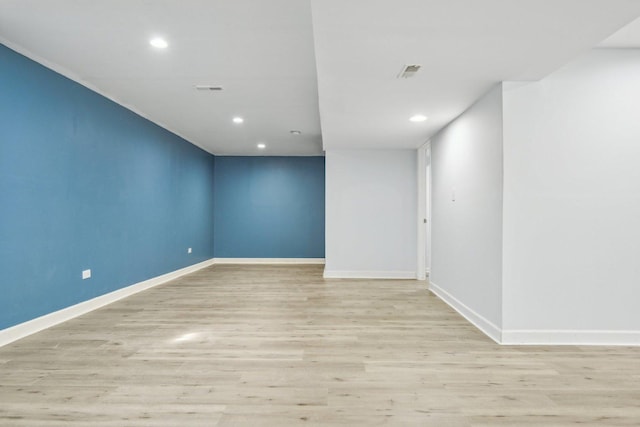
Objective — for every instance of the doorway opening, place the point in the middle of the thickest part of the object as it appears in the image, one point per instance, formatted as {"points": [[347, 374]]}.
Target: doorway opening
{"points": [[424, 211]]}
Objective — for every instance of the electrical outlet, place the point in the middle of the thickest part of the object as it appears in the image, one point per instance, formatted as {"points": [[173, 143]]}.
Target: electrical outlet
{"points": [[86, 274], [189, 250]]}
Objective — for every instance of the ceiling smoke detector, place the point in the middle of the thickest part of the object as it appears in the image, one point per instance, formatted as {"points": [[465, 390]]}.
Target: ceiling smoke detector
{"points": [[409, 71], [209, 88]]}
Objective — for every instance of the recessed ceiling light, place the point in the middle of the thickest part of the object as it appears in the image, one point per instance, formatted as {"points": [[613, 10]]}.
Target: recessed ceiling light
{"points": [[158, 42], [295, 132], [418, 118], [262, 146], [238, 120]]}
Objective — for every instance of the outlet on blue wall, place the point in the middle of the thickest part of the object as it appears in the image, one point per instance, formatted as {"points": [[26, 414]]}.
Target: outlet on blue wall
{"points": [[88, 184], [269, 207]]}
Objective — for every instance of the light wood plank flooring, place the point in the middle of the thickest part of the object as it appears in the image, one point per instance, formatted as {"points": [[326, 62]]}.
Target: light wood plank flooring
{"points": [[280, 346]]}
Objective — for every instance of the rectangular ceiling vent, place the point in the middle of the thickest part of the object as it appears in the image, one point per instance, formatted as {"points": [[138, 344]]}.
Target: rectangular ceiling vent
{"points": [[209, 88], [409, 71]]}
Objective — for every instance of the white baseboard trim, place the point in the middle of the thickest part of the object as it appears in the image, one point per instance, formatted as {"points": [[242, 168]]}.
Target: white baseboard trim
{"points": [[480, 322], [341, 274], [570, 337], [29, 327], [268, 260]]}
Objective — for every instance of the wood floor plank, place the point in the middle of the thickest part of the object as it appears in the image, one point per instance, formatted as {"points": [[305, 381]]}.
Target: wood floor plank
{"points": [[260, 345]]}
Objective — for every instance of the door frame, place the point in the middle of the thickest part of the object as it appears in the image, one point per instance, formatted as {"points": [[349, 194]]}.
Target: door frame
{"points": [[424, 211]]}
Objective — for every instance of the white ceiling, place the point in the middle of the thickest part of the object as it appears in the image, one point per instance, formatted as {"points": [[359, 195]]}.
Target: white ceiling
{"points": [[465, 47], [263, 54]]}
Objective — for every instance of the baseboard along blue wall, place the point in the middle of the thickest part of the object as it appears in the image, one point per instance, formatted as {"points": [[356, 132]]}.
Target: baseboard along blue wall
{"points": [[269, 207], [88, 184]]}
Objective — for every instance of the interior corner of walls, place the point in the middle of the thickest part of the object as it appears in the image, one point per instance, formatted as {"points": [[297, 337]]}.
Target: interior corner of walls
{"points": [[484, 325]]}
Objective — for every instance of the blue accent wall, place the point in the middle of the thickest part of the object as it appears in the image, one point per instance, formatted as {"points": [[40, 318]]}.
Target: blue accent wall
{"points": [[269, 207], [86, 183]]}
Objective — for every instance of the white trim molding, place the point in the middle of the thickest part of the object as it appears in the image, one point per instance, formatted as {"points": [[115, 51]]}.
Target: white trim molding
{"points": [[38, 324], [480, 322], [537, 336], [340, 274], [268, 260], [570, 337]]}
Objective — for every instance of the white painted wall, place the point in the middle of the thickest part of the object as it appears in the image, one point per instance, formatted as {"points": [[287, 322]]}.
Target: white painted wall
{"points": [[466, 264], [572, 202], [371, 213]]}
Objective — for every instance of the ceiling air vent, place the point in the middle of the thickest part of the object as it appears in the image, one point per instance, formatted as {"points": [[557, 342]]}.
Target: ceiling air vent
{"points": [[209, 88], [409, 71]]}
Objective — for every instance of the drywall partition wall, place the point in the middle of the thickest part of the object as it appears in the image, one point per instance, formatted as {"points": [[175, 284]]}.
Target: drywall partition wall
{"points": [[572, 203], [466, 165], [269, 207], [87, 184], [371, 213]]}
